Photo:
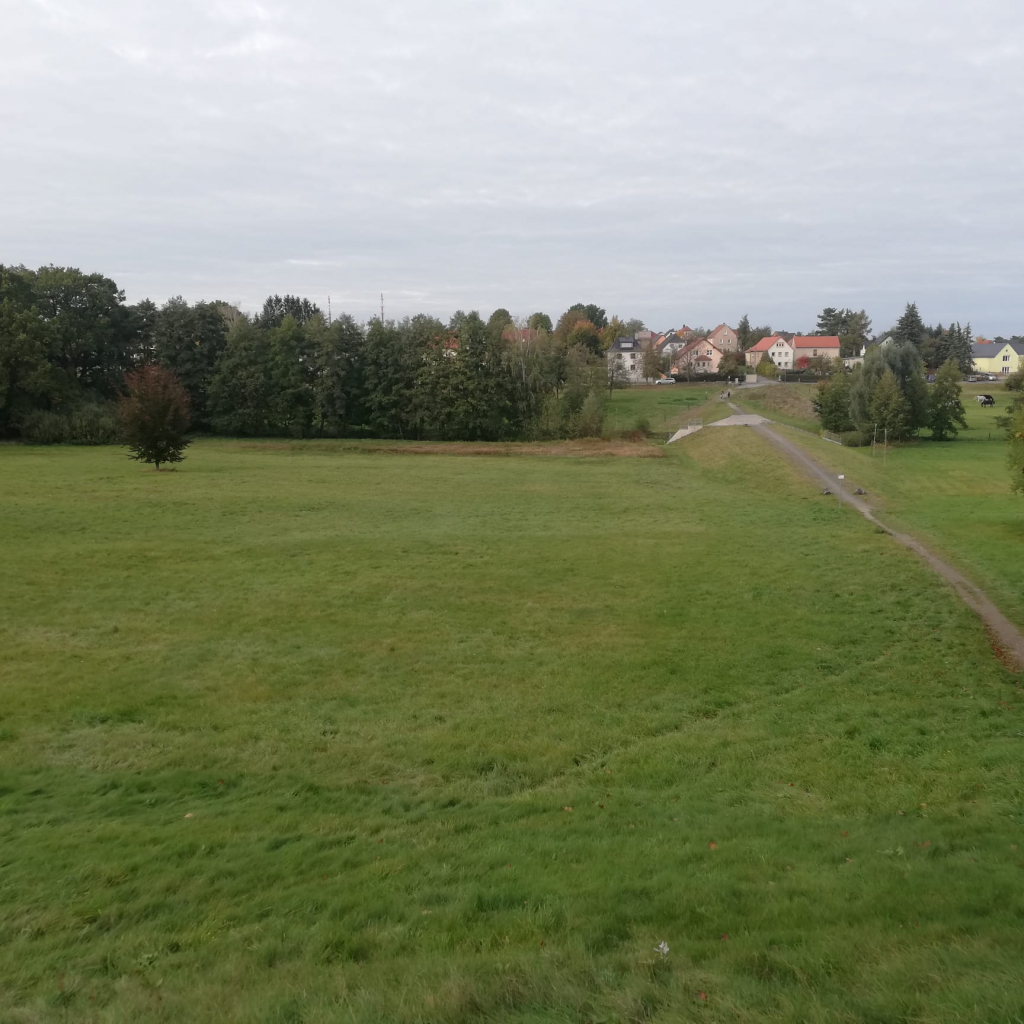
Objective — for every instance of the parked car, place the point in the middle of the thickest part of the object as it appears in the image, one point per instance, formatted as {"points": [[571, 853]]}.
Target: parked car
{"points": [[665, 380]]}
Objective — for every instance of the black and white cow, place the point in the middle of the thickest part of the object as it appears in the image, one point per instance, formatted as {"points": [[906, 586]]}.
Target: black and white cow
{"points": [[986, 399]]}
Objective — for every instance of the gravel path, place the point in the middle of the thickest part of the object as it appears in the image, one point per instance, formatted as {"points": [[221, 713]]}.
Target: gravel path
{"points": [[1006, 637]]}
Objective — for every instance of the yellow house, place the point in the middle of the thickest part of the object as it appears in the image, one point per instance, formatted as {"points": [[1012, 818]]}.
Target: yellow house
{"points": [[998, 358]]}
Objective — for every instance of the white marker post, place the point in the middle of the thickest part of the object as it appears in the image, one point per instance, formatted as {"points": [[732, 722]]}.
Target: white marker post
{"points": [[839, 496]]}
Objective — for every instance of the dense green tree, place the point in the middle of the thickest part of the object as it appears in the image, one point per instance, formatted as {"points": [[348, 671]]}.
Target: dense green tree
{"points": [[89, 329], [539, 322], [832, 402], [959, 342], [189, 340], [584, 334], [142, 319], [28, 378], [889, 409], [947, 410], [241, 391], [277, 307], [499, 320], [910, 327], [391, 364], [154, 415], [744, 335], [580, 313], [632, 326]]}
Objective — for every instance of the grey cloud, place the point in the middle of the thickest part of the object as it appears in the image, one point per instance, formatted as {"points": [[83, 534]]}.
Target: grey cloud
{"points": [[671, 161]]}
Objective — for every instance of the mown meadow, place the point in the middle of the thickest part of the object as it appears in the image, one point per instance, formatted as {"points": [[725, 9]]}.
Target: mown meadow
{"points": [[953, 494], [310, 732]]}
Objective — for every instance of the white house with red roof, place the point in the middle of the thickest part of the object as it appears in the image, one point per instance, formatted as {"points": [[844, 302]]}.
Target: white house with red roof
{"points": [[776, 348], [787, 353]]}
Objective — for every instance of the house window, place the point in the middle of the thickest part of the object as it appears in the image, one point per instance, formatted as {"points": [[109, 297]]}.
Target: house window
{"points": [[1006, 359], [1006, 369]]}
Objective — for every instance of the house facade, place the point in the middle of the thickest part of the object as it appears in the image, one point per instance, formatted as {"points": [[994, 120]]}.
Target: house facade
{"points": [[724, 338], [700, 356], [815, 346], [998, 359], [775, 348], [625, 356]]}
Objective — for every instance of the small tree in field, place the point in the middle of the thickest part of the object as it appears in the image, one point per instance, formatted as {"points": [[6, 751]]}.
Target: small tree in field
{"points": [[947, 411], [766, 368], [154, 415]]}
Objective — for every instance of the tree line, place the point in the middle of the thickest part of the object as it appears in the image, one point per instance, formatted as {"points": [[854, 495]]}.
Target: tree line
{"points": [[68, 339]]}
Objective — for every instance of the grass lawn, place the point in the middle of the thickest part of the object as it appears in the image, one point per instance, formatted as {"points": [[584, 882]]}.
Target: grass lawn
{"points": [[955, 494], [786, 403], [307, 733], [665, 407]]}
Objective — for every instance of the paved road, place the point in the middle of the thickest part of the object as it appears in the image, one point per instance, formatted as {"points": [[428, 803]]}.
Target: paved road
{"points": [[1008, 637]]}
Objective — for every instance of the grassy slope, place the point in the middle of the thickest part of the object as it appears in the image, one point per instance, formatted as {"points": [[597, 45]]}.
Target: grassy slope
{"points": [[378, 682], [666, 407], [787, 403], [956, 494]]}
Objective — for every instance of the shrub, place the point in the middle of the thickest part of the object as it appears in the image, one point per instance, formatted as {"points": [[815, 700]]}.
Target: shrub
{"points": [[643, 426], [854, 439], [87, 423]]}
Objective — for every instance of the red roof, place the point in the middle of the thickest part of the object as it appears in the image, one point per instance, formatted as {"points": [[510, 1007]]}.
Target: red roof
{"points": [[812, 342], [764, 344]]}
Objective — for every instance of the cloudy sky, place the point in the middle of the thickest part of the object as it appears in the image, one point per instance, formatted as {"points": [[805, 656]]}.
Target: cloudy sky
{"points": [[671, 160]]}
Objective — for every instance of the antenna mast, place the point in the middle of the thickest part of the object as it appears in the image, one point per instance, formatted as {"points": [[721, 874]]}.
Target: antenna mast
{"points": [[328, 311], [382, 309]]}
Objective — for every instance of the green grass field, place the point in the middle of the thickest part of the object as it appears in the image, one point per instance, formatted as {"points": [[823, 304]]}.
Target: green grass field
{"points": [[954, 494], [309, 733], [666, 408]]}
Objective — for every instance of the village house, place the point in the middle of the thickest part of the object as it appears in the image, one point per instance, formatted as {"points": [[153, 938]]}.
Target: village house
{"points": [[700, 356], [625, 356], [999, 359], [724, 338], [775, 348], [786, 354]]}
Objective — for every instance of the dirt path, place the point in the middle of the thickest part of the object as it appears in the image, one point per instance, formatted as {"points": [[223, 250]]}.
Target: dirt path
{"points": [[1006, 638]]}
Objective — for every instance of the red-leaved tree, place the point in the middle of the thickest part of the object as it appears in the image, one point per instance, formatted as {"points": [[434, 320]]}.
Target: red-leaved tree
{"points": [[154, 415]]}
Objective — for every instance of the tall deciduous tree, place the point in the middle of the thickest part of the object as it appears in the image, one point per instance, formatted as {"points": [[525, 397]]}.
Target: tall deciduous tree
{"points": [[154, 415], [889, 411], [652, 362], [539, 322], [947, 410], [189, 340]]}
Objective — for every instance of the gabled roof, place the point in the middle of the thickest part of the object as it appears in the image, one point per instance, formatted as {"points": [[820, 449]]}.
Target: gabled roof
{"points": [[720, 327], [813, 341], [765, 343], [987, 351], [624, 345]]}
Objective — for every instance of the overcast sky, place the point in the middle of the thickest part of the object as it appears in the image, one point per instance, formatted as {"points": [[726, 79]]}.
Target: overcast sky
{"points": [[670, 160]]}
